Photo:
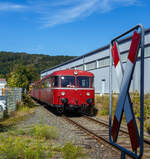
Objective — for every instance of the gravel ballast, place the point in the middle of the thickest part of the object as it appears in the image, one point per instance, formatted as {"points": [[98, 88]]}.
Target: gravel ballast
{"points": [[68, 133]]}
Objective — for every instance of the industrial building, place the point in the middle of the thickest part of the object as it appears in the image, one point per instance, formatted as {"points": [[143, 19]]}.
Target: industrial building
{"points": [[98, 62]]}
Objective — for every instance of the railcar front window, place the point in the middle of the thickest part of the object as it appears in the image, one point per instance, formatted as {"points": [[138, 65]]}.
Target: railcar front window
{"points": [[83, 82], [68, 81]]}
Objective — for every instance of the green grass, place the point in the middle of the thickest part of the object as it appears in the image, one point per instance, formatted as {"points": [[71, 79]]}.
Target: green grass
{"points": [[17, 116], [71, 151], [44, 131], [25, 144], [148, 129], [33, 142], [15, 147], [102, 104]]}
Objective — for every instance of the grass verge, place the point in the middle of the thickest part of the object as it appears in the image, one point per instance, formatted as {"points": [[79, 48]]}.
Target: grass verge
{"points": [[102, 104], [17, 116], [36, 142], [33, 142]]}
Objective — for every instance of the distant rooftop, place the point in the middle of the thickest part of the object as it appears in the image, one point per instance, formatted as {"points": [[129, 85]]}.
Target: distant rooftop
{"points": [[2, 80]]}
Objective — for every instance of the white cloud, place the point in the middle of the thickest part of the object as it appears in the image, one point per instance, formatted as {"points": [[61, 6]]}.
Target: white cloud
{"points": [[69, 14], [7, 6], [58, 12], [68, 11]]}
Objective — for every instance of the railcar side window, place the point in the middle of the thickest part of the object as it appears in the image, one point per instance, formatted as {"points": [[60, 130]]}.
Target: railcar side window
{"points": [[36, 85], [83, 82], [55, 81], [68, 81], [43, 84], [92, 82]]}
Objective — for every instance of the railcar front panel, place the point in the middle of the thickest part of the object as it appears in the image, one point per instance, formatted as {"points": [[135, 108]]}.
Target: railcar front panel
{"points": [[78, 96]]}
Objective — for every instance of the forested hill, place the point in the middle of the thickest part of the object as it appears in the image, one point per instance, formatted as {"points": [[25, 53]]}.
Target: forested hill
{"points": [[10, 60]]}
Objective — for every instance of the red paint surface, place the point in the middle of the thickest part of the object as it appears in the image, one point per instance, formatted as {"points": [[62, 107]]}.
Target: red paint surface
{"points": [[114, 129], [115, 54], [133, 135], [70, 72], [134, 47], [73, 95]]}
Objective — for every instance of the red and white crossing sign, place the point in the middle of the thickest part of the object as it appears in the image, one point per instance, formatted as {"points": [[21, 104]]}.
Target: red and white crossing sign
{"points": [[124, 102]]}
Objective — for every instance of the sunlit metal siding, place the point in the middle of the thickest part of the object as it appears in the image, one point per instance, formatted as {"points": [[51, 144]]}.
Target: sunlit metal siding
{"points": [[98, 60]]}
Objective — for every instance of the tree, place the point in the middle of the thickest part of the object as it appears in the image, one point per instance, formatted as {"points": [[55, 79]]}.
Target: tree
{"points": [[22, 76], [2, 76]]}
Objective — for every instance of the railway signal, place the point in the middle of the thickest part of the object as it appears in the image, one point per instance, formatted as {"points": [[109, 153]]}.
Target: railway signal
{"points": [[124, 103], [124, 77]]}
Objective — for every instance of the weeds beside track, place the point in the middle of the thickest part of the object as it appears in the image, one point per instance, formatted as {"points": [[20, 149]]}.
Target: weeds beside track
{"points": [[100, 132]]}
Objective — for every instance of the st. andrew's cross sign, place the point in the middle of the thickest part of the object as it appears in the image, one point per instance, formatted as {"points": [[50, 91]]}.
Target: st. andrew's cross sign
{"points": [[124, 77]]}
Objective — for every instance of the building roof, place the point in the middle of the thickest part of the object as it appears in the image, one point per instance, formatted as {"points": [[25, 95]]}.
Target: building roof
{"points": [[93, 52], [2, 80]]}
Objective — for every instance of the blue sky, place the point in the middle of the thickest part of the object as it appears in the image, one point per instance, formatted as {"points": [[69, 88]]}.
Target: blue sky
{"points": [[67, 27]]}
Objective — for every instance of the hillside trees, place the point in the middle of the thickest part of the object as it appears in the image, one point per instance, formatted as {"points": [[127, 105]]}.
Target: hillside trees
{"points": [[22, 76], [20, 69], [9, 60]]}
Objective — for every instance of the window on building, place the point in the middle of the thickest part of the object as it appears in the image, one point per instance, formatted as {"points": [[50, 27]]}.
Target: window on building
{"points": [[91, 65], [103, 62], [124, 57], [80, 67], [147, 51]]}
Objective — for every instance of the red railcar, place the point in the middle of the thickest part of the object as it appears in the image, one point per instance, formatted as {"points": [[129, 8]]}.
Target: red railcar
{"points": [[66, 89], [35, 90]]}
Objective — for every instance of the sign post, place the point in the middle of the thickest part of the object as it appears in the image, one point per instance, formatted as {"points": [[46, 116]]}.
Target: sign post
{"points": [[124, 104]]}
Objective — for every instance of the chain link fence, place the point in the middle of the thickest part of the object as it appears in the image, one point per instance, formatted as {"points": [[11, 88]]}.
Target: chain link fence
{"points": [[9, 100]]}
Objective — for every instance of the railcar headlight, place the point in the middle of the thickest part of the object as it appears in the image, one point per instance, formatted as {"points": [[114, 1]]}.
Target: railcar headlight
{"points": [[88, 93], [90, 101], [62, 93]]}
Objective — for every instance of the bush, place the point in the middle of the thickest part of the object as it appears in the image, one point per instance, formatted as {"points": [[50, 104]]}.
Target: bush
{"points": [[104, 103], [71, 151], [136, 104], [44, 131], [147, 106], [148, 128], [23, 148], [18, 144], [11, 148], [27, 101]]}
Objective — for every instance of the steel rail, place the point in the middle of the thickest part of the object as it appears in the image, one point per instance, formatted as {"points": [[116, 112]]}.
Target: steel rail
{"points": [[92, 134], [107, 125]]}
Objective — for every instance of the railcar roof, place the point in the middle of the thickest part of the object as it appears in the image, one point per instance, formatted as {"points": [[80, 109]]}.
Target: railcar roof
{"points": [[70, 72]]}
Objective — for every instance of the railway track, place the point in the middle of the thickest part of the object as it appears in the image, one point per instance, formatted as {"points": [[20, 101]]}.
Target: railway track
{"points": [[99, 130], [123, 128]]}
